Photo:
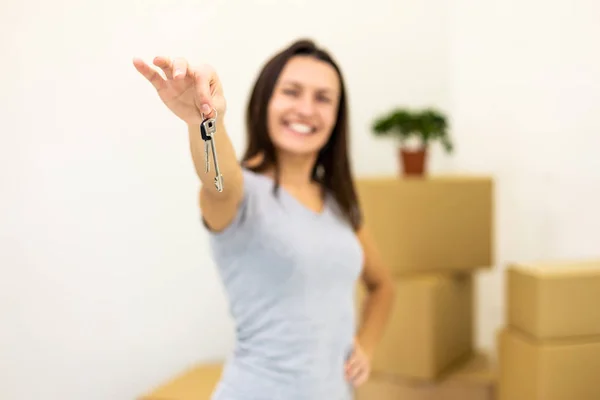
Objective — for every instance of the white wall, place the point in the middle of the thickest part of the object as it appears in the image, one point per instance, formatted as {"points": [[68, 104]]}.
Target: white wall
{"points": [[107, 284], [525, 96]]}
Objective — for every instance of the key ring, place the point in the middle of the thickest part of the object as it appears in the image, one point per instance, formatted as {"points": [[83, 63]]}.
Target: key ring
{"points": [[204, 119]]}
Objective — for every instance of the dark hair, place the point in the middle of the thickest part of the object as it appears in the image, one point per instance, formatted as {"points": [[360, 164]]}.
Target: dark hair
{"points": [[332, 168]]}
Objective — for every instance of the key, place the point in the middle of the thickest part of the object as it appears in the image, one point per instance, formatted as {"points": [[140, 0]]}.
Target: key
{"points": [[208, 128], [206, 162], [218, 176]]}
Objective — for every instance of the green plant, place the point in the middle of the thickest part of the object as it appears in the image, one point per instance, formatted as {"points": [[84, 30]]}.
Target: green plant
{"points": [[427, 124]]}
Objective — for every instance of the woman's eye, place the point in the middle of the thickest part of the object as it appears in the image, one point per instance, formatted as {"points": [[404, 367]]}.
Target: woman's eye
{"points": [[290, 92]]}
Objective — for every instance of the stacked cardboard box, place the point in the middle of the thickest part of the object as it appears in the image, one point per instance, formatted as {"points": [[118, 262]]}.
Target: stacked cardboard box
{"points": [[196, 383], [550, 347], [472, 380], [434, 233]]}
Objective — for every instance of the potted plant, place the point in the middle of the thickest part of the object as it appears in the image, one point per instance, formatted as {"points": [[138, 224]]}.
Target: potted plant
{"points": [[415, 129]]}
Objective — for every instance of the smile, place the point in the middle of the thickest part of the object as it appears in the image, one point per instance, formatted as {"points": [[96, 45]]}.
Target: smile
{"points": [[300, 129]]}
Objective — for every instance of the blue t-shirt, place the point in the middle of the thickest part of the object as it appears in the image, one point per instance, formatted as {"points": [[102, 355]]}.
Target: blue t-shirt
{"points": [[290, 275]]}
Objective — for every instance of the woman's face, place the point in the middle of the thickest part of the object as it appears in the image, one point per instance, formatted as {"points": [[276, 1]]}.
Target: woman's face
{"points": [[303, 108]]}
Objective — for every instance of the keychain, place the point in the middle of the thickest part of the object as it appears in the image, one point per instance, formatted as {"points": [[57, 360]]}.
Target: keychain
{"points": [[208, 128]]}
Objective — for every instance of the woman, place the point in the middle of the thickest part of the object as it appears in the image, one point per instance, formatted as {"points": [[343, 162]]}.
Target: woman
{"points": [[286, 231]]}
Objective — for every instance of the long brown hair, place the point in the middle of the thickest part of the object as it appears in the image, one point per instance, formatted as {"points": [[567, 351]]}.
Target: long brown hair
{"points": [[332, 168]]}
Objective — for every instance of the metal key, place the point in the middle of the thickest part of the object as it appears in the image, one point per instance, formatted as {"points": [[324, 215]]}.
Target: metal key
{"points": [[218, 176], [208, 128], [206, 162]]}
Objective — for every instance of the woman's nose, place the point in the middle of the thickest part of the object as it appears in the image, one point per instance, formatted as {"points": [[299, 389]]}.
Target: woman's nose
{"points": [[306, 106]]}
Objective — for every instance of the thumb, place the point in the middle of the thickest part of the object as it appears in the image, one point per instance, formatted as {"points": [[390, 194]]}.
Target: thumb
{"points": [[203, 78]]}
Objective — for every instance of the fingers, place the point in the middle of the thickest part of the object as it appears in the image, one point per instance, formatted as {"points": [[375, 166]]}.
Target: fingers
{"points": [[177, 70], [149, 73], [357, 370], [165, 64], [180, 68], [360, 378], [204, 77]]}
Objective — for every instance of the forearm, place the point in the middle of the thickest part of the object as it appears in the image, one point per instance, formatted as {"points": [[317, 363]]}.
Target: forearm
{"points": [[375, 313], [226, 157]]}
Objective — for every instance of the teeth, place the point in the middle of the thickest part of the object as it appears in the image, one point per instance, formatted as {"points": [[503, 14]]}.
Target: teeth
{"points": [[300, 128]]}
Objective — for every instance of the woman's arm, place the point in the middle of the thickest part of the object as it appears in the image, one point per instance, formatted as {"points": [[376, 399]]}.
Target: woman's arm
{"points": [[193, 93], [380, 287]]}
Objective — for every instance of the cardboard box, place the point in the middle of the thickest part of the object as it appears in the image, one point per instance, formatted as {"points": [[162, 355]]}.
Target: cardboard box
{"points": [[197, 383], [474, 380], [547, 370], [432, 224], [430, 327], [554, 299]]}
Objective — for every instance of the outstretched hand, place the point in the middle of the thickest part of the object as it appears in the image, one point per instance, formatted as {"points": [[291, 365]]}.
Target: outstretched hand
{"points": [[189, 92]]}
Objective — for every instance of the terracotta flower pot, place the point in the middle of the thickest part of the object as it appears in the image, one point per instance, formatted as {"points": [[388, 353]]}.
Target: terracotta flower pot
{"points": [[413, 161]]}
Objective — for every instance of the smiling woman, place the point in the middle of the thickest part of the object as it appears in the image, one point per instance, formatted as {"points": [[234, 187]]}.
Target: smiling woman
{"points": [[304, 102], [286, 232], [297, 114]]}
